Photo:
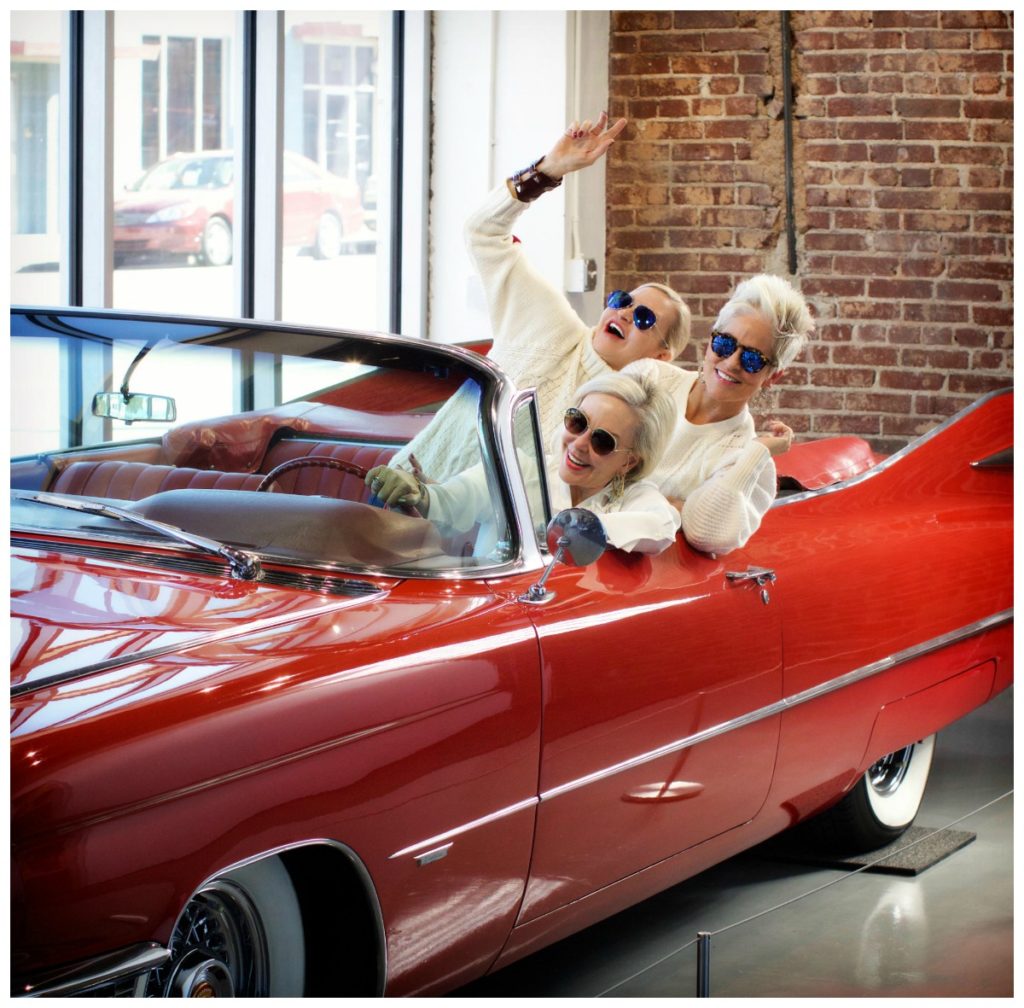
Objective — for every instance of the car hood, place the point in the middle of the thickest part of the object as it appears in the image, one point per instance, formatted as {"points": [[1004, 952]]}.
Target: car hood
{"points": [[73, 616]]}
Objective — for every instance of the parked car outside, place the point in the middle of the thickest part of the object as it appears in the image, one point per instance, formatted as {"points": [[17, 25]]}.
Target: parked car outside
{"points": [[269, 738], [185, 206]]}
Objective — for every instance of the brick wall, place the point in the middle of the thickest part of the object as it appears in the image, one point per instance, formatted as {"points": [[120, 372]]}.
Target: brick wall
{"points": [[902, 139]]}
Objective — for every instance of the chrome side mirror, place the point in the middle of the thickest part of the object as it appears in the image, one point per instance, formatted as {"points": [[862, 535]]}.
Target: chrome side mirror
{"points": [[576, 537]]}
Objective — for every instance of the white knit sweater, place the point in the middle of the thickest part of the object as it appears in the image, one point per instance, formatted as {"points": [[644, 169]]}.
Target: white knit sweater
{"points": [[639, 520], [725, 477], [538, 340]]}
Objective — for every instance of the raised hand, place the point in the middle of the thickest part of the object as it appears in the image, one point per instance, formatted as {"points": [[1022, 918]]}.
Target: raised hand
{"points": [[580, 146]]}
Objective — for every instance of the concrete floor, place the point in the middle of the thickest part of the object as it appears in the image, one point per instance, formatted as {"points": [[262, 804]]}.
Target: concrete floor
{"points": [[947, 932]]}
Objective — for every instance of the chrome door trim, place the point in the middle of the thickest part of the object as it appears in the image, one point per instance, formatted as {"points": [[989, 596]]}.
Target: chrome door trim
{"points": [[786, 703]]}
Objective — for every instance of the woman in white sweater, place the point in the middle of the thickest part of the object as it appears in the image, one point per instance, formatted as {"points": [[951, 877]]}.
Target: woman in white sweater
{"points": [[610, 440], [716, 470], [538, 340]]}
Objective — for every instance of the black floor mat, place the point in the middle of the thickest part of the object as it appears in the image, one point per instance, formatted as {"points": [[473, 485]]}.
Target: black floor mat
{"points": [[919, 848]]}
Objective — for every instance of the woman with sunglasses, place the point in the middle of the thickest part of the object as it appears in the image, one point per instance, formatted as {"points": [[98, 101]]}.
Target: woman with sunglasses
{"points": [[538, 340], [610, 440], [716, 469]]}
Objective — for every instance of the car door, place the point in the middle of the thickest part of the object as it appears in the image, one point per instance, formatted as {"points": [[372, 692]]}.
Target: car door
{"points": [[654, 669]]}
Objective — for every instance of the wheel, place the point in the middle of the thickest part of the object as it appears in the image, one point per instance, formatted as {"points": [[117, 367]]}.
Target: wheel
{"points": [[329, 237], [217, 242], [239, 935], [325, 461], [881, 806]]}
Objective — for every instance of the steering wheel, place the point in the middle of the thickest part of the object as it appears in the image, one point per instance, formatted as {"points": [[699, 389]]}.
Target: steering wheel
{"points": [[326, 461]]}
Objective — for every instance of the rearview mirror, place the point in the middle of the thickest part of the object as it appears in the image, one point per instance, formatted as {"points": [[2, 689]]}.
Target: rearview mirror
{"points": [[577, 538], [134, 406]]}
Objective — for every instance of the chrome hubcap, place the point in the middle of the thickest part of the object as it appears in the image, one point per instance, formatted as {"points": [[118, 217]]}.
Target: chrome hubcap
{"points": [[218, 948], [887, 774]]}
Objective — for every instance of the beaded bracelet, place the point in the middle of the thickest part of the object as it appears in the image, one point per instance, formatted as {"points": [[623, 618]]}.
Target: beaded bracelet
{"points": [[528, 184]]}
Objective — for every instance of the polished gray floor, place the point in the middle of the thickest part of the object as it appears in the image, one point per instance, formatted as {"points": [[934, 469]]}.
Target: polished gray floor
{"points": [[947, 932]]}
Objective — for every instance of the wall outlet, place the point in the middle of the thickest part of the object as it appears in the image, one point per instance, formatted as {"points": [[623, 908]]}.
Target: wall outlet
{"points": [[580, 275]]}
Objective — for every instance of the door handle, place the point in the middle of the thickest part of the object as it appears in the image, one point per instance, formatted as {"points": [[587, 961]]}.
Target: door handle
{"points": [[761, 576]]}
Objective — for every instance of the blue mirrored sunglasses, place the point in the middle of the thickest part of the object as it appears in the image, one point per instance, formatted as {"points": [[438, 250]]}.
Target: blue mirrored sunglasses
{"points": [[643, 317], [751, 359]]}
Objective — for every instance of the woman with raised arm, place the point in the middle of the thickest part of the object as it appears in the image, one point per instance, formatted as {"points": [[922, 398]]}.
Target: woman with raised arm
{"points": [[538, 340]]}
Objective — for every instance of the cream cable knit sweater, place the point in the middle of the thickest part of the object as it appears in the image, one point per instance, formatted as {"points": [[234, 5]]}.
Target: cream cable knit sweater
{"points": [[724, 476], [539, 341]]}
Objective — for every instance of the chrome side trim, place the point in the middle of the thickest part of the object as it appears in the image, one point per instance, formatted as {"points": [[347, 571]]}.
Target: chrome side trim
{"points": [[892, 459], [443, 838], [72, 981], [786, 703]]}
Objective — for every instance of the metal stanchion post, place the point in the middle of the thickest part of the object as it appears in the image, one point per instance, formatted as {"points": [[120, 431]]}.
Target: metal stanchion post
{"points": [[703, 964]]}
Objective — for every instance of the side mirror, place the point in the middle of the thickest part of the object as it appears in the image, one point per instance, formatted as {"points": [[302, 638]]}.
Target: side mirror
{"points": [[134, 406], [577, 538]]}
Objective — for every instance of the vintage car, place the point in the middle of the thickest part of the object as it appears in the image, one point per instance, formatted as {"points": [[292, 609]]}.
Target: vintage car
{"points": [[269, 738], [184, 205]]}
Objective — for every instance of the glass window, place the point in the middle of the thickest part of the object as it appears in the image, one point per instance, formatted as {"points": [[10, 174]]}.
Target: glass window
{"points": [[525, 430], [36, 113], [223, 407], [174, 191], [334, 122]]}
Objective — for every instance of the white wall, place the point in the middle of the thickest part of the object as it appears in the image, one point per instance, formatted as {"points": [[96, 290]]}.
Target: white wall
{"points": [[505, 85]]}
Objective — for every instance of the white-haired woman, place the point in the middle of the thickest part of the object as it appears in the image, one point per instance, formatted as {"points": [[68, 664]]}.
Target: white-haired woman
{"points": [[611, 438], [538, 340], [716, 468]]}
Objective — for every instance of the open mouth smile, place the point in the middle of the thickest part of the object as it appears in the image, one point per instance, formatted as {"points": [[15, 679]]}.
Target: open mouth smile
{"points": [[575, 463], [722, 376], [613, 328]]}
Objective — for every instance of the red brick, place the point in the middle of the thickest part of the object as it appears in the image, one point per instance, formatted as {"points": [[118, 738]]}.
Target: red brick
{"points": [[930, 311], [929, 108], [860, 106], [935, 40], [928, 381], [989, 315], [702, 19], [861, 130], [906, 19], [962, 290], [868, 355], [931, 360], [901, 153], [974, 19], [897, 290], [1001, 110]]}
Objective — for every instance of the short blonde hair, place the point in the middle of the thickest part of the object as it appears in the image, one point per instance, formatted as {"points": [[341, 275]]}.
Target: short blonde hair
{"points": [[677, 335], [781, 306], [656, 411]]}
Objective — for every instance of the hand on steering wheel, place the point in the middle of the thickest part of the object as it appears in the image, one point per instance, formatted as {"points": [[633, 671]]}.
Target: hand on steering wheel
{"points": [[396, 487]]}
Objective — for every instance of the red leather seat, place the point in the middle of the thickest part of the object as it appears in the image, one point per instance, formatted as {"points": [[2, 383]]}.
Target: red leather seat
{"points": [[134, 480]]}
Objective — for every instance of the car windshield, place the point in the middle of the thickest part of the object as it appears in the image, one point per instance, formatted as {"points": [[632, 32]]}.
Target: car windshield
{"points": [[187, 173], [255, 438]]}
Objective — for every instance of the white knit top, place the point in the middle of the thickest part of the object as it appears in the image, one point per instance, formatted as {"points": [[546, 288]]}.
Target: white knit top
{"points": [[639, 520], [538, 341], [725, 477]]}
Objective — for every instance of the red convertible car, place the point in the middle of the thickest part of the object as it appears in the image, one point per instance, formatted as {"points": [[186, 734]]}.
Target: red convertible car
{"points": [[269, 738]]}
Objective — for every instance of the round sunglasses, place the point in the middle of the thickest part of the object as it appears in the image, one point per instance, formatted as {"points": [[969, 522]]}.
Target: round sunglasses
{"points": [[751, 359], [643, 317], [601, 441]]}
